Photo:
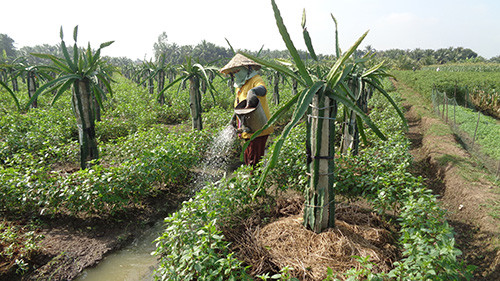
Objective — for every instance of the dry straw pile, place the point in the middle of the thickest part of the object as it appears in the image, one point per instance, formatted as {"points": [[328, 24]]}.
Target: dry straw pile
{"points": [[286, 242]]}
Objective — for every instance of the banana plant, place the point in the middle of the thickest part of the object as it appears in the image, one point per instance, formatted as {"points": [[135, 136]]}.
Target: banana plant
{"points": [[80, 72], [323, 89], [193, 72]]}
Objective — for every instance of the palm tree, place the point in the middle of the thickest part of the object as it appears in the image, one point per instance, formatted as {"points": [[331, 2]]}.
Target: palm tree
{"points": [[81, 73], [323, 90]]}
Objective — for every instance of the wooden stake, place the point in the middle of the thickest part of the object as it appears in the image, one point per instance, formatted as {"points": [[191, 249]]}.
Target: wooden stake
{"points": [[475, 131]]}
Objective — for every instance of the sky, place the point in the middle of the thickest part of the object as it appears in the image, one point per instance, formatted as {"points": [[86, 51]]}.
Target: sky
{"points": [[136, 25]]}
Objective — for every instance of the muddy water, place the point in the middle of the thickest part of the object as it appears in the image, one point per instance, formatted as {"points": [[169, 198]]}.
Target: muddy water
{"points": [[135, 262], [132, 263]]}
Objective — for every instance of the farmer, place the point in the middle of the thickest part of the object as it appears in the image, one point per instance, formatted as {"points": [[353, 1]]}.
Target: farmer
{"points": [[250, 91]]}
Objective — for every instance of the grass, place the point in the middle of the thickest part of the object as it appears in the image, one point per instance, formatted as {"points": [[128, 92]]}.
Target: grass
{"points": [[488, 130], [439, 129], [494, 206], [447, 158], [488, 137], [421, 107]]}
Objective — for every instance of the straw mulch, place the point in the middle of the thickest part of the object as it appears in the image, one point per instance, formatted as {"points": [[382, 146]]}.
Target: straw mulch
{"points": [[286, 242]]}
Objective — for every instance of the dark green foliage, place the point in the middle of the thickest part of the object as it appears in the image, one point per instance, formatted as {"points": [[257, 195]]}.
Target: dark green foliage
{"points": [[138, 155], [460, 83], [290, 170], [158, 159], [380, 175], [7, 46], [35, 132], [192, 246], [416, 58]]}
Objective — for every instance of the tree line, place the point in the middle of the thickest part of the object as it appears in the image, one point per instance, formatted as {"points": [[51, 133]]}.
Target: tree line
{"points": [[416, 58], [209, 53]]}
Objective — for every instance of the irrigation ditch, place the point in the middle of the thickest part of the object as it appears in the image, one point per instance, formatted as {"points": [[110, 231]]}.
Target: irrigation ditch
{"points": [[135, 261], [118, 248]]}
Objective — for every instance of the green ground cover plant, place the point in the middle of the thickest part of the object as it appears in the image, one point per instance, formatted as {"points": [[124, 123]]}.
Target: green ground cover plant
{"points": [[424, 235], [192, 246], [139, 154], [424, 80], [145, 146], [108, 188], [18, 244], [470, 88], [465, 67], [487, 134], [378, 174]]}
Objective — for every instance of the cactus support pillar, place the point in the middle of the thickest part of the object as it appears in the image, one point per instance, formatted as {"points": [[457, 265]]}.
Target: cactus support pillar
{"points": [[82, 103], [319, 210], [195, 102]]}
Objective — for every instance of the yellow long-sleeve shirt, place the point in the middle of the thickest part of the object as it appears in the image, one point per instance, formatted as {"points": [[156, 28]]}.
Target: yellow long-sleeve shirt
{"points": [[241, 94]]}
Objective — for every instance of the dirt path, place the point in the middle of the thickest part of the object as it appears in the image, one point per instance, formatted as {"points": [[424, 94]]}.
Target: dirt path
{"points": [[462, 187]]}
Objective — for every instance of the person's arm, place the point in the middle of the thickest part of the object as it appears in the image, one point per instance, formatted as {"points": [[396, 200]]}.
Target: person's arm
{"points": [[253, 94]]}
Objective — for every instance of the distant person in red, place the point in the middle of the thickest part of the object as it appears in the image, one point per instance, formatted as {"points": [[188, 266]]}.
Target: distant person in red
{"points": [[250, 87]]}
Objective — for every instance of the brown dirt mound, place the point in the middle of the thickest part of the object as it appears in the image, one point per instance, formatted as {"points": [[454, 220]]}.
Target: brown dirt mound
{"points": [[286, 242]]}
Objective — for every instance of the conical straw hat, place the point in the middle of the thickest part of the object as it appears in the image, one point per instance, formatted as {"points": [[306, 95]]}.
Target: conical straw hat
{"points": [[237, 61]]}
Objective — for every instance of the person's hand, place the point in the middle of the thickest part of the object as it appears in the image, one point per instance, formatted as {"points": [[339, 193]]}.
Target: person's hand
{"points": [[234, 122], [252, 99]]}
